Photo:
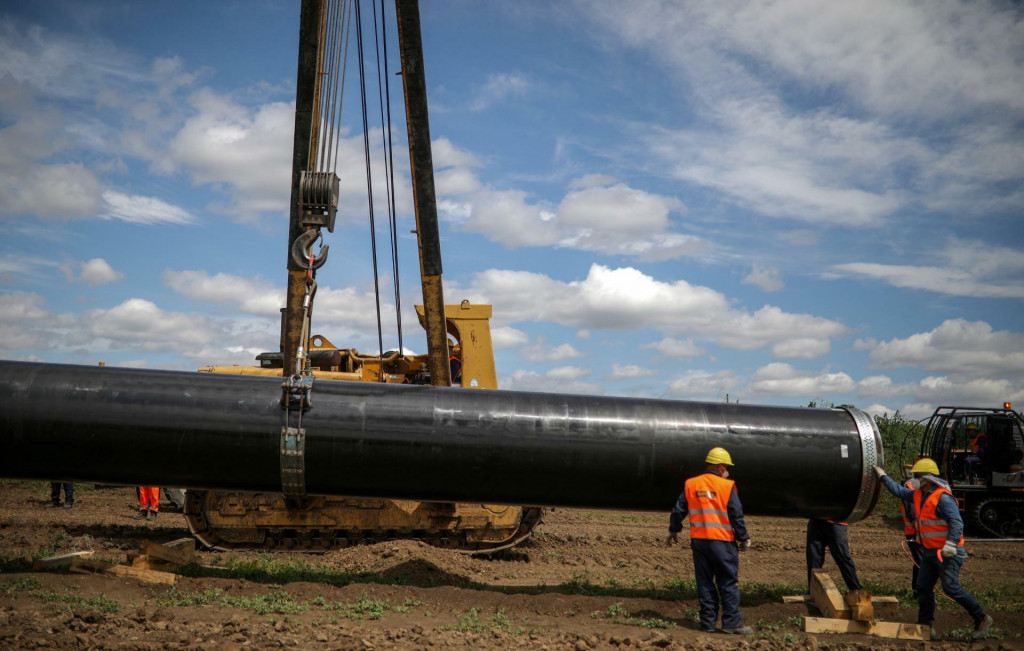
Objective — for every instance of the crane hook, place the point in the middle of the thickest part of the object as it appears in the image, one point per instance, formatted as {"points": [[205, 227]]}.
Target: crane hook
{"points": [[302, 250]]}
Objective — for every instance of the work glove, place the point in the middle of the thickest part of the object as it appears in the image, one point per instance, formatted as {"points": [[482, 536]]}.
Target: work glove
{"points": [[744, 545], [672, 538], [879, 472], [949, 550]]}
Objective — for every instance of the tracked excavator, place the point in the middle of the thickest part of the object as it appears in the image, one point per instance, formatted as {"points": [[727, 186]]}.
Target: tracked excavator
{"points": [[459, 351], [980, 452]]}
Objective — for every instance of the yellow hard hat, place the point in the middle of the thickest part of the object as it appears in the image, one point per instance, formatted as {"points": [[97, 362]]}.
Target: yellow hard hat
{"points": [[972, 426], [719, 455], [925, 465]]}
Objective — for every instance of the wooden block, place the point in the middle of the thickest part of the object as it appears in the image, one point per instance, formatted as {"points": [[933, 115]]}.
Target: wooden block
{"points": [[190, 543], [59, 560], [894, 630], [885, 606], [89, 565], [149, 563], [797, 599], [180, 555], [860, 605], [147, 576], [827, 597]]}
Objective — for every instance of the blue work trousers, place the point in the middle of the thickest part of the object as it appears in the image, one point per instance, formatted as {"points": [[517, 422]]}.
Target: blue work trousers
{"points": [[948, 574], [716, 564], [69, 492]]}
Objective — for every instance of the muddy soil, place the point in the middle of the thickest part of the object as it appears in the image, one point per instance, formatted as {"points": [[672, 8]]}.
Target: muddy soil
{"points": [[585, 580]]}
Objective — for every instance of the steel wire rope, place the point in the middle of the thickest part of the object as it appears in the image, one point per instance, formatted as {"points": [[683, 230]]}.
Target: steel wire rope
{"points": [[337, 62], [369, 184], [387, 139]]}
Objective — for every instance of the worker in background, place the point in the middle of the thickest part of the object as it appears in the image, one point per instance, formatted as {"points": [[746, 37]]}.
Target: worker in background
{"points": [[910, 534], [69, 494], [717, 533], [979, 448], [940, 534], [828, 533], [149, 502]]}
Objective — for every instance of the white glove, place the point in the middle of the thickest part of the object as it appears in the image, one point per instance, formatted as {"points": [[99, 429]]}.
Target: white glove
{"points": [[879, 472], [744, 545], [671, 538], [949, 550]]}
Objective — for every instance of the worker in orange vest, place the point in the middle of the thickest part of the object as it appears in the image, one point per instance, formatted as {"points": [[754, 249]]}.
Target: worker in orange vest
{"points": [[940, 535], [910, 533], [149, 502], [717, 533], [979, 445]]}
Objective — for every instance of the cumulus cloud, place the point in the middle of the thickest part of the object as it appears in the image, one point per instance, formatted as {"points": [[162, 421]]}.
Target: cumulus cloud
{"points": [[630, 371], [92, 272], [499, 87], [701, 384], [616, 298], [252, 296], [566, 380], [508, 337], [957, 346], [541, 351], [765, 277], [778, 379], [676, 347]]}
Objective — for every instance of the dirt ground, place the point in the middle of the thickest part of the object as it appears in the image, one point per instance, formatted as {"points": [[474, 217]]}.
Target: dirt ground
{"points": [[585, 580]]}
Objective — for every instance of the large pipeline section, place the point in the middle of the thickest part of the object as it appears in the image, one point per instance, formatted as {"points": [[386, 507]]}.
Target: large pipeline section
{"points": [[197, 430]]}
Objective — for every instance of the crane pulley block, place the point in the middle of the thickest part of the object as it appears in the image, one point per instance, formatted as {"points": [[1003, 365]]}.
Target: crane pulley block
{"points": [[318, 199]]}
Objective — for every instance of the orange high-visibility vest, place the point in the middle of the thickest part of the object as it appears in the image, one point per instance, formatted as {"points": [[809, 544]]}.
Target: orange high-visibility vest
{"points": [[932, 531], [976, 442], [707, 499], [909, 529]]}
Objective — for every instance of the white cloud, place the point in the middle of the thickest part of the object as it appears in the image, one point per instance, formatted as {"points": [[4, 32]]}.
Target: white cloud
{"points": [[499, 87], [620, 299], [252, 296], [567, 373], [629, 371], [541, 351], [778, 379], [765, 277], [558, 380], [507, 337], [676, 347], [139, 324], [698, 383], [92, 272], [807, 348], [143, 210], [957, 346], [445, 154]]}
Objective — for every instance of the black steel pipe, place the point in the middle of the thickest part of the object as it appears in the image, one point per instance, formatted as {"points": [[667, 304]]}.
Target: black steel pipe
{"points": [[202, 430]]}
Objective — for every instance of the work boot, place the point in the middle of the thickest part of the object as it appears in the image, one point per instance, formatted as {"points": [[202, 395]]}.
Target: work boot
{"points": [[152, 515], [708, 629], [52, 505], [142, 515], [68, 505], [981, 627], [739, 630], [935, 634]]}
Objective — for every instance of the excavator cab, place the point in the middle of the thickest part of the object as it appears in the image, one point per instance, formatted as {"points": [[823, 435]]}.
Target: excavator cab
{"points": [[980, 452]]}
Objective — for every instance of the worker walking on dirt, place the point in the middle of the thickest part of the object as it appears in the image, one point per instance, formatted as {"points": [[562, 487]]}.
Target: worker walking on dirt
{"points": [[149, 502], [834, 535], [717, 533], [940, 534]]}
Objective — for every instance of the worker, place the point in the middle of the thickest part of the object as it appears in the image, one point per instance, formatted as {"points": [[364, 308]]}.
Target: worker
{"points": [[149, 502], [69, 494], [828, 533], [717, 533], [940, 534], [979, 447], [910, 535]]}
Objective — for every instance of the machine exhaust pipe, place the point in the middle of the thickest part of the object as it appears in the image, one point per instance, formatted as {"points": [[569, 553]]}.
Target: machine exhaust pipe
{"points": [[198, 430]]}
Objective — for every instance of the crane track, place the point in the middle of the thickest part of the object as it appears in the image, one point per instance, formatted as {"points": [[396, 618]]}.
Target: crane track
{"points": [[323, 539], [1002, 517]]}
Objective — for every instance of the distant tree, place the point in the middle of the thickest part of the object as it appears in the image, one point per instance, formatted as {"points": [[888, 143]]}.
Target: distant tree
{"points": [[901, 442]]}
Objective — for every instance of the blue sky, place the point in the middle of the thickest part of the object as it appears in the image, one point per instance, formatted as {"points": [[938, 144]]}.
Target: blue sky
{"points": [[782, 202]]}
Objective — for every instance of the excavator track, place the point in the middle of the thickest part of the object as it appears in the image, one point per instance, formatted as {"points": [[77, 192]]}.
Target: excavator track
{"points": [[1002, 517], [235, 521]]}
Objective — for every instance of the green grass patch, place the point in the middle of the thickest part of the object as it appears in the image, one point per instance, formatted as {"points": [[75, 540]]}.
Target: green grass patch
{"points": [[618, 613], [66, 600]]}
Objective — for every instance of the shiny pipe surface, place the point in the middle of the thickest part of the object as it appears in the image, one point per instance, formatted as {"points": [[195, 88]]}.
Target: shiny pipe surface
{"points": [[200, 430]]}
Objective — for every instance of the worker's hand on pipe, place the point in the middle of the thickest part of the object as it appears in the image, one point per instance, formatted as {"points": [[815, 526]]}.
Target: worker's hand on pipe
{"points": [[879, 472], [672, 538], [744, 545]]}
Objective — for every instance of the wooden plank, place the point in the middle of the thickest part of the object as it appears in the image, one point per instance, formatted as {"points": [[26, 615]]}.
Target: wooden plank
{"points": [[147, 576], [827, 597], [59, 560], [797, 599], [893, 630], [181, 555], [860, 605], [149, 563], [190, 543], [885, 606]]}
